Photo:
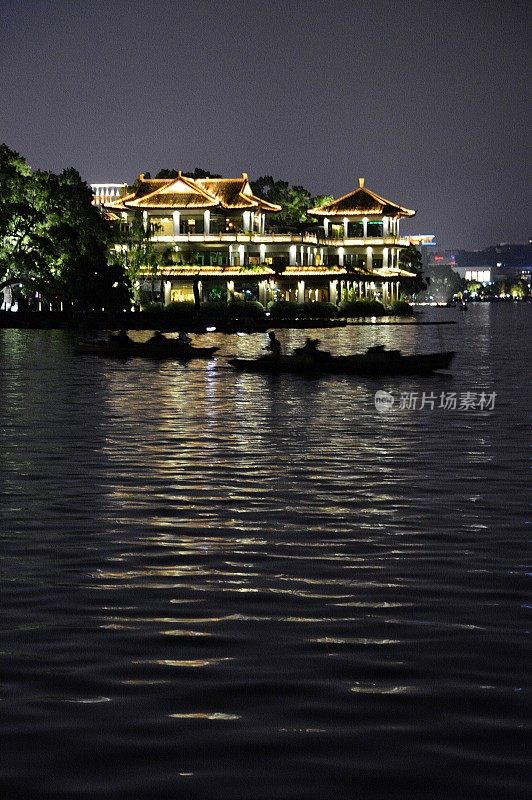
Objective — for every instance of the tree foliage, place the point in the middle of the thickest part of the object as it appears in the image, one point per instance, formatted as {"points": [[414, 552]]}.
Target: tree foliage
{"points": [[295, 200], [135, 253], [197, 174], [410, 259], [52, 238]]}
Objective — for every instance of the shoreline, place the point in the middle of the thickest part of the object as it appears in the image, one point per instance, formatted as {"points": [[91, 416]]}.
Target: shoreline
{"points": [[52, 320]]}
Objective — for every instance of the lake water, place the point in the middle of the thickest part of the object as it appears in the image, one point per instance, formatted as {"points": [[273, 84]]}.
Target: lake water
{"points": [[219, 585]]}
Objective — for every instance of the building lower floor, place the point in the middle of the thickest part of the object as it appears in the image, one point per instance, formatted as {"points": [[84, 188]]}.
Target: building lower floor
{"points": [[297, 286]]}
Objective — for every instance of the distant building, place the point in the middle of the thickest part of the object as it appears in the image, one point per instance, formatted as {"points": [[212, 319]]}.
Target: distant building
{"points": [[503, 262], [217, 232], [104, 193]]}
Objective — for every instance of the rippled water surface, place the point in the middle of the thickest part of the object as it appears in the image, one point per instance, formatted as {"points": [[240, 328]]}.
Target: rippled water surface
{"points": [[218, 585]]}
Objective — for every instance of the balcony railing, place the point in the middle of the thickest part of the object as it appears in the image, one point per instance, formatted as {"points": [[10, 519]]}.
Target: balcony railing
{"points": [[311, 238]]}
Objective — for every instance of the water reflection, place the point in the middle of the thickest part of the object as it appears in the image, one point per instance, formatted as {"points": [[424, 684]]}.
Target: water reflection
{"points": [[188, 546]]}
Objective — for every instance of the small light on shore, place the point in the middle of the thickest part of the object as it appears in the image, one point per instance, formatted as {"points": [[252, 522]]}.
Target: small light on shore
{"points": [[211, 329]]}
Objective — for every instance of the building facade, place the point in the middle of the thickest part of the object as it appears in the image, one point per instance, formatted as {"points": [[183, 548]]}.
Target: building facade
{"points": [[216, 235]]}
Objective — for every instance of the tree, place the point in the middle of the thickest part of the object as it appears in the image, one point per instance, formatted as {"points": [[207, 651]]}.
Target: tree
{"points": [[410, 260], [518, 290], [322, 200], [197, 174], [136, 254], [294, 200], [21, 246], [443, 283], [52, 238]]}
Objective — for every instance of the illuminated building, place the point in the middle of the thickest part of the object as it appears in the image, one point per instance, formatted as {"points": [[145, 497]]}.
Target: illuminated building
{"points": [[217, 232]]}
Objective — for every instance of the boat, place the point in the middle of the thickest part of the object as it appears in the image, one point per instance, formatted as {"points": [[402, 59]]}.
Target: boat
{"points": [[375, 362], [168, 348]]}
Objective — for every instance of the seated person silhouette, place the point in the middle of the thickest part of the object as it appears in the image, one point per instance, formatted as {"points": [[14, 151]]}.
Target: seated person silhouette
{"points": [[121, 338], [157, 339], [184, 339], [309, 348], [274, 345]]}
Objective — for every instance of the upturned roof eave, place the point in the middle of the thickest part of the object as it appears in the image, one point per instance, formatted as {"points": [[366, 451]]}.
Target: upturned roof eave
{"points": [[361, 212], [381, 203]]}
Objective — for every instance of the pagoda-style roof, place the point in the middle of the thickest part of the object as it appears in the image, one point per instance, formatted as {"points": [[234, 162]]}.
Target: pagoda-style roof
{"points": [[361, 202], [188, 193]]}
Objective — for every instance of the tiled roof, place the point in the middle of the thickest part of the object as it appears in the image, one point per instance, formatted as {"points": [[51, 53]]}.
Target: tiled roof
{"points": [[175, 200], [182, 193], [228, 191], [361, 202]]}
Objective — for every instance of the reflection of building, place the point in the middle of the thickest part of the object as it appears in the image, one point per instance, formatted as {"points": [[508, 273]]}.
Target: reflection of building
{"points": [[218, 230]]}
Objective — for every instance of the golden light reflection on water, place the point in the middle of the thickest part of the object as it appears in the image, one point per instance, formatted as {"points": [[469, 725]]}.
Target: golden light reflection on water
{"points": [[212, 715], [184, 662], [354, 640], [373, 688]]}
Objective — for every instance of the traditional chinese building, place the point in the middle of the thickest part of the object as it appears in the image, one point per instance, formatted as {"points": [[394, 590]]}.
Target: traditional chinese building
{"points": [[217, 231]]}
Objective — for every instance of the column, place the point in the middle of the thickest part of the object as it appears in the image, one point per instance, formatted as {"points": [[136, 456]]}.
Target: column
{"points": [[262, 253], [176, 217], [301, 291], [206, 221], [365, 227], [167, 292], [385, 258], [245, 220], [326, 226], [292, 253], [345, 228], [369, 258], [230, 291], [341, 253], [333, 292]]}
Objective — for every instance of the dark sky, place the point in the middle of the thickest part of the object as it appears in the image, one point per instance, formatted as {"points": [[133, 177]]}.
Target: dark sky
{"points": [[428, 99]]}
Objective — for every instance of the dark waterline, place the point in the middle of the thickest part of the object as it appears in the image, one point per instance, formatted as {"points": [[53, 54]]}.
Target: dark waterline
{"points": [[219, 585]]}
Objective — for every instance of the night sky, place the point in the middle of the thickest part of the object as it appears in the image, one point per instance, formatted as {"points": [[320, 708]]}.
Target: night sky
{"points": [[428, 99]]}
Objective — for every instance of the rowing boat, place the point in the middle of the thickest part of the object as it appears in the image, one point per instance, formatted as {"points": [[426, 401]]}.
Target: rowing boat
{"points": [[376, 362], [158, 350]]}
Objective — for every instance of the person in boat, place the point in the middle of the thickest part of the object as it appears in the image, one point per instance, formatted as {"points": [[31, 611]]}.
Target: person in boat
{"points": [[157, 339], [274, 345], [121, 338], [310, 348], [184, 339]]}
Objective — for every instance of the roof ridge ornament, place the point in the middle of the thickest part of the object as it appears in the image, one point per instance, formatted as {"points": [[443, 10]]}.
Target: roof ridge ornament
{"points": [[361, 182]]}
